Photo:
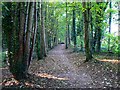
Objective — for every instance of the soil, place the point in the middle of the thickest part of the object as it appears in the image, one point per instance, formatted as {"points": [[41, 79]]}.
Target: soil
{"points": [[63, 68]]}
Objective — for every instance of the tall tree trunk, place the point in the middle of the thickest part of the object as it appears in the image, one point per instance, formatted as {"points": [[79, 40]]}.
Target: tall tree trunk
{"points": [[38, 42], [18, 67], [28, 34], [9, 39], [99, 35], [19, 64], [74, 31], [66, 36], [110, 21], [42, 38], [54, 28], [34, 33], [56, 32], [86, 30], [46, 26], [91, 31], [81, 34]]}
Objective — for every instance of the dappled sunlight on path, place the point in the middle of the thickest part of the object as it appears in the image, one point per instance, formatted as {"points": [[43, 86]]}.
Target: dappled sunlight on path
{"points": [[45, 75], [108, 60]]}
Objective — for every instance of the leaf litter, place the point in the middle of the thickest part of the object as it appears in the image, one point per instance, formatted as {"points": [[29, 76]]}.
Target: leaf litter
{"points": [[66, 69]]}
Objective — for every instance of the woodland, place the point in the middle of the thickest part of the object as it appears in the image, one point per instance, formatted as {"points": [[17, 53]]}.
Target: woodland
{"points": [[65, 44]]}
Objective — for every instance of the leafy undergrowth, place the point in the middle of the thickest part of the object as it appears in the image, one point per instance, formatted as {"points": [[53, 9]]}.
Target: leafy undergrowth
{"points": [[65, 69]]}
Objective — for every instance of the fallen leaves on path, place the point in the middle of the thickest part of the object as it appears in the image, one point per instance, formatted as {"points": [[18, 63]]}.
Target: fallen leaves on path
{"points": [[65, 69]]}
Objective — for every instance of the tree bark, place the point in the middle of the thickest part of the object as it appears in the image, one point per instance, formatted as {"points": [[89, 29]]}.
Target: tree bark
{"points": [[9, 38], [66, 35], [18, 67], [34, 34], [110, 21], [91, 31], [86, 36], [28, 34], [74, 31], [42, 38]]}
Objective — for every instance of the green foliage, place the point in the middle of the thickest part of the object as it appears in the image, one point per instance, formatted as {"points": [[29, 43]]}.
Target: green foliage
{"points": [[111, 11], [114, 43]]}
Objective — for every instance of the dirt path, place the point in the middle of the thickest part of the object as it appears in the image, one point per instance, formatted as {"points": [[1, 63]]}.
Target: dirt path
{"points": [[60, 64], [64, 69], [76, 77]]}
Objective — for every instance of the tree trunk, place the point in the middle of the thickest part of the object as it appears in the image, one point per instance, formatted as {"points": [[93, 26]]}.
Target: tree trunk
{"points": [[81, 33], [34, 33], [74, 31], [91, 31], [99, 35], [66, 36], [18, 67], [66, 40], [38, 42], [46, 26], [42, 38], [28, 34], [86, 30], [110, 21], [9, 39]]}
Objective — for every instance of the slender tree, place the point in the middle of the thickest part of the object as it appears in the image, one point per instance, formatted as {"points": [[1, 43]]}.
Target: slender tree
{"points": [[66, 37], [110, 21], [91, 29], [73, 28]]}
